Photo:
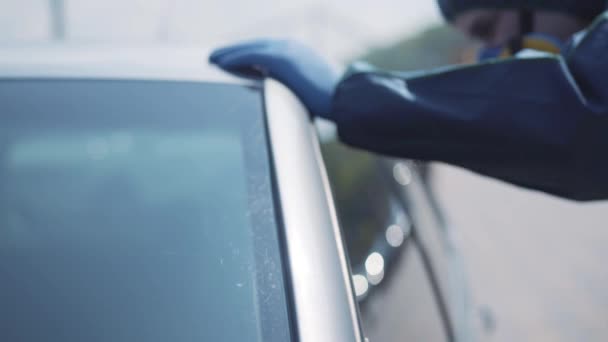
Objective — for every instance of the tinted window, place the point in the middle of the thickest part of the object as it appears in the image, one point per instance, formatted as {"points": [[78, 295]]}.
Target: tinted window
{"points": [[397, 300], [136, 211], [362, 200]]}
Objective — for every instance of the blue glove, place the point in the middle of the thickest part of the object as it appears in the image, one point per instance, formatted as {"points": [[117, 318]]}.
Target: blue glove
{"points": [[298, 67]]}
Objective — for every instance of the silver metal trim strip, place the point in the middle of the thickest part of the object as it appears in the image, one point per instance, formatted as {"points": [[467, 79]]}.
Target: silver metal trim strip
{"points": [[324, 302]]}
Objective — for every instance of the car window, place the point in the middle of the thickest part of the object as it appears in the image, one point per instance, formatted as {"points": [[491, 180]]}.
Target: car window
{"points": [[137, 211], [396, 297], [363, 207]]}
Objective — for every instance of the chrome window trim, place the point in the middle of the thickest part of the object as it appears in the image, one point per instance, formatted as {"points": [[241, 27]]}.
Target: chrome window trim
{"points": [[323, 297]]}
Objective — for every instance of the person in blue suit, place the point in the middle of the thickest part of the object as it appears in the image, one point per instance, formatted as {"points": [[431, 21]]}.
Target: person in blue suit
{"points": [[533, 112]]}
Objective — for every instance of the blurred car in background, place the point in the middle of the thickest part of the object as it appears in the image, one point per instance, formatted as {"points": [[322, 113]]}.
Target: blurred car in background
{"points": [[145, 197]]}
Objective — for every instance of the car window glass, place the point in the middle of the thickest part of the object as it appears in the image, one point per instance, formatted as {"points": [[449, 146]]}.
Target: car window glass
{"points": [[363, 207], [132, 211], [396, 298]]}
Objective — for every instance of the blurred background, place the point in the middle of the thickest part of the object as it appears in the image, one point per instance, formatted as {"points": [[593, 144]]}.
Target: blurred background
{"points": [[536, 263]]}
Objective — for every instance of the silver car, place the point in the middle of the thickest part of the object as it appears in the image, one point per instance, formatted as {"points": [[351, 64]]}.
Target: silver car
{"points": [[145, 197]]}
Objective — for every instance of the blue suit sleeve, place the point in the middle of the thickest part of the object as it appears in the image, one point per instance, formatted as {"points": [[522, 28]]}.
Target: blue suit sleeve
{"points": [[538, 121]]}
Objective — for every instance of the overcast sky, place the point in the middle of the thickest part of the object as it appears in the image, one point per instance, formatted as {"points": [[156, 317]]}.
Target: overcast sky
{"points": [[338, 26]]}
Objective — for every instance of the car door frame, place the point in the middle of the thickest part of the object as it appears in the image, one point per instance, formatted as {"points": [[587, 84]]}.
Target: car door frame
{"points": [[323, 299]]}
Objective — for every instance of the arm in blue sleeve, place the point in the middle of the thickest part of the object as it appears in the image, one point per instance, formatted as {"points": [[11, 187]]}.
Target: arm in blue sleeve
{"points": [[537, 121]]}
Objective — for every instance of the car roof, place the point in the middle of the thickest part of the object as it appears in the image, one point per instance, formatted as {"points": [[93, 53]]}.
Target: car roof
{"points": [[105, 61]]}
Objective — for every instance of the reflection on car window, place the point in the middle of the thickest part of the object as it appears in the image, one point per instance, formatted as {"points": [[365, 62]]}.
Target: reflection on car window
{"points": [[375, 224], [390, 278], [132, 220], [362, 205]]}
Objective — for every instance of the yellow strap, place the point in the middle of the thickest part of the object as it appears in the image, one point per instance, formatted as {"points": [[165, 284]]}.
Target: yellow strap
{"points": [[533, 43], [541, 45]]}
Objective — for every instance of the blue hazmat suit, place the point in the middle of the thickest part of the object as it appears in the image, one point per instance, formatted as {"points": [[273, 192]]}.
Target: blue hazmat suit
{"points": [[536, 120]]}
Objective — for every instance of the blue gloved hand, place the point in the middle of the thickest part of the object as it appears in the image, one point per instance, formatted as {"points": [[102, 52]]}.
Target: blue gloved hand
{"points": [[298, 67]]}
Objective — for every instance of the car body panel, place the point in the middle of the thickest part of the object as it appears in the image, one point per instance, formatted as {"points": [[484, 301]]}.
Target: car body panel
{"points": [[324, 307], [318, 273], [179, 63], [444, 260], [324, 301]]}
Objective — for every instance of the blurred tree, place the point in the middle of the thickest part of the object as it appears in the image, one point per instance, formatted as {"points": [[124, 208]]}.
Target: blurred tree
{"points": [[57, 13], [433, 47]]}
